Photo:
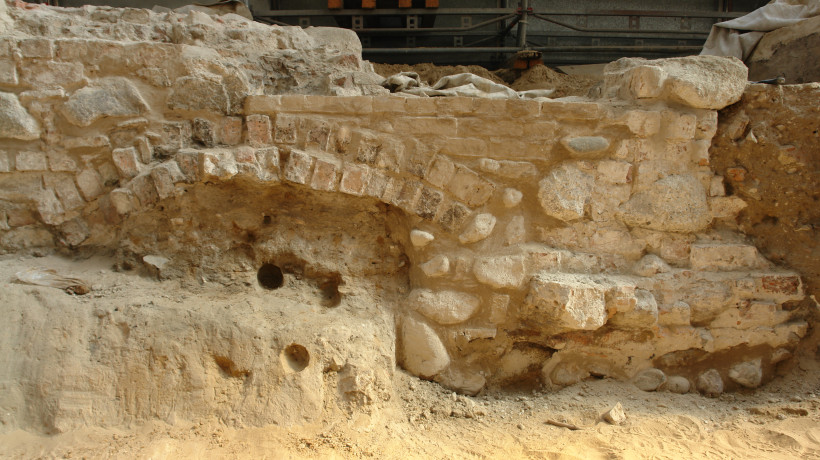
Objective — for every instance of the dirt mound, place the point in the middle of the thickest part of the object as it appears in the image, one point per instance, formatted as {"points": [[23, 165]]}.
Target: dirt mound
{"points": [[432, 73], [542, 77], [766, 148]]}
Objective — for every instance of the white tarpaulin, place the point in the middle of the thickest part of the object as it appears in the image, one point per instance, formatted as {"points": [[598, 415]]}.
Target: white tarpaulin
{"points": [[739, 36], [463, 84]]}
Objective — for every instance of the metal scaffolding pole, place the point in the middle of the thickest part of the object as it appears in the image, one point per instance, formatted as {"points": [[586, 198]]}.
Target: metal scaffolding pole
{"points": [[522, 24]]}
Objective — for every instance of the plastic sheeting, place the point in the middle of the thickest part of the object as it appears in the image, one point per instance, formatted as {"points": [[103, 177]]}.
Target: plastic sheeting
{"points": [[463, 84], [738, 37]]}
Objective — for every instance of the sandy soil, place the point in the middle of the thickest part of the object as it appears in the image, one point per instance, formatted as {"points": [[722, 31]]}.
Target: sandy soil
{"points": [[423, 420]]}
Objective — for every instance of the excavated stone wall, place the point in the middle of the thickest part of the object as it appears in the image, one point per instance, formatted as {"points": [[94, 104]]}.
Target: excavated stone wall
{"points": [[526, 241]]}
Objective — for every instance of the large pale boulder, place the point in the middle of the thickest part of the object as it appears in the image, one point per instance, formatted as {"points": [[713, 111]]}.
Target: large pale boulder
{"points": [[676, 203], [422, 353], [701, 82], [443, 307], [196, 93], [501, 271], [565, 192], [749, 373], [566, 302], [110, 97], [15, 121]]}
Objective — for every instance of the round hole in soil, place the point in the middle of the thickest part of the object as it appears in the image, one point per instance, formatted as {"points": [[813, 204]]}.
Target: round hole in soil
{"points": [[270, 276], [296, 357]]}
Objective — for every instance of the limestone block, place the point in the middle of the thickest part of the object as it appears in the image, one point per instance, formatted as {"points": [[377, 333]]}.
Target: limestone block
{"points": [[568, 109], [748, 374], [707, 299], [8, 72], [453, 216], [480, 228], [501, 272], [144, 189], [15, 121], [31, 161], [422, 351], [436, 267], [51, 74], [643, 123], [318, 135], [703, 82], [189, 162], [420, 238], [165, 176], [441, 172], [126, 162], [644, 315], [647, 82], [724, 257], [564, 193], [585, 146], [325, 175], [144, 149], [716, 187], [710, 383], [124, 201], [202, 132], [20, 218], [516, 231], [498, 305], [109, 97], [676, 203], [780, 287], [74, 232], [268, 160], [676, 314], [90, 184], [66, 191], [197, 93], [707, 125], [649, 379], [218, 165], [408, 195], [750, 315], [650, 265], [354, 179], [87, 142], [5, 163], [615, 172], [507, 168], [366, 147], [511, 197], [726, 207], [427, 126], [37, 47], [462, 382], [566, 302], [231, 131], [443, 307], [155, 76], [49, 207], [679, 126], [428, 203], [246, 162], [467, 186]]}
